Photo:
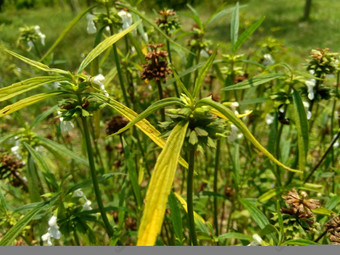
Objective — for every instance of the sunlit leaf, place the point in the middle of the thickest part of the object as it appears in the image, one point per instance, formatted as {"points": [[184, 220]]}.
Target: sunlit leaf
{"points": [[160, 186]]}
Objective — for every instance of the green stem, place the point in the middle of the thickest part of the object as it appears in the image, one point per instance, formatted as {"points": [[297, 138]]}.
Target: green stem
{"points": [[160, 91], [190, 181], [217, 156], [170, 60], [94, 177]]}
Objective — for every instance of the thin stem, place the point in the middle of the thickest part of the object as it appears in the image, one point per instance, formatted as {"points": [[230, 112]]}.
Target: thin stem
{"points": [[217, 157], [160, 91], [190, 180], [170, 60], [107, 225], [322, 158]]}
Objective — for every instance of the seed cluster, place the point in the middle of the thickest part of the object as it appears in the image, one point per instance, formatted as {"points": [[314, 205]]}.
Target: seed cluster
{"points": [[333, 227], [158, 67], [9, 169], [115, 124]]}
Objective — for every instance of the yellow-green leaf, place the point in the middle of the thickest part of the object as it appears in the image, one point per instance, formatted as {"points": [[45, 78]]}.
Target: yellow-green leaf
{"points": [[160, 186], [36, 64], [25, 102], [104, 45], [26, 85], [243, 128]]}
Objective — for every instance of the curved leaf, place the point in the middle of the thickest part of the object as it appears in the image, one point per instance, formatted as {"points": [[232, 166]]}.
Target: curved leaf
{"points": [[143, 125], [234, 25], [160, 186], [100, 48], [254, 81], [243, 128]]}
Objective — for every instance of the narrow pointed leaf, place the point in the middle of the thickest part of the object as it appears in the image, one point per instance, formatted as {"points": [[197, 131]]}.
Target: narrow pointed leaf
{"points": [[100, 48], [49, 144], [302, 129], [143, 125], [246, 34], [36, 64], [199, 221], [26, 102], [243, 128], [176, 217], [234, 25], [160, 186], [42, 116], [26, 85], [202, 73], [66, 30], [221, 12], [234, 235], [254, 81]]}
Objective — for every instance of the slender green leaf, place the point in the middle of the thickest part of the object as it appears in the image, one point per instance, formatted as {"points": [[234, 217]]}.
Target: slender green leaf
{"points": [[132, 173], [32, 179], [332, 203], [26, 102], [220, 13], [160, 186], [195, 16], [255, 213], [234, 235], [267, 195], [43, 116], [37, 64], [300, 242], [323, 211], [65, 32], [176, 217], [62, 150], [151, 109], [302, 129], [246, 34], [143, 125], [100, 48], [26, 85], [40, 161], [243, 128], [3, 204], [234, 25], [202, 73], [254, 81]]}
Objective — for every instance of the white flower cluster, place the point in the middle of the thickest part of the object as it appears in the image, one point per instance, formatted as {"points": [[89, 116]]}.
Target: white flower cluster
{"points": [[309, 113], [310, 86], [87, 204], [234, 132], [52, 232], [257, 241], [268, 60], [65, 126], [15, 149], [126, 19], [41, 35], [98, 80], [269, 119]]}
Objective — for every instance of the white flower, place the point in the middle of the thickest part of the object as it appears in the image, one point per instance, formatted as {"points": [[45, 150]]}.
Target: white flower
{"points": [[107, 28], [126, 19], [309, 114], [91, 27], [310, 85], [245, 112], [87, 205], [30, 44], [145, 37], [336, 144], [204, 53], [268, 60], [234, 133], [65, 126], [99, 79], [41, 35], [269, 119], [78, 193], [47, 237], [257, 241], [53, 231], [15, 150]]}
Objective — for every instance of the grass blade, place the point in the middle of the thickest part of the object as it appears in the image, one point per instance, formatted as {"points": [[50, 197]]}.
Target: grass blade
{"points": [[160, 186]]}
